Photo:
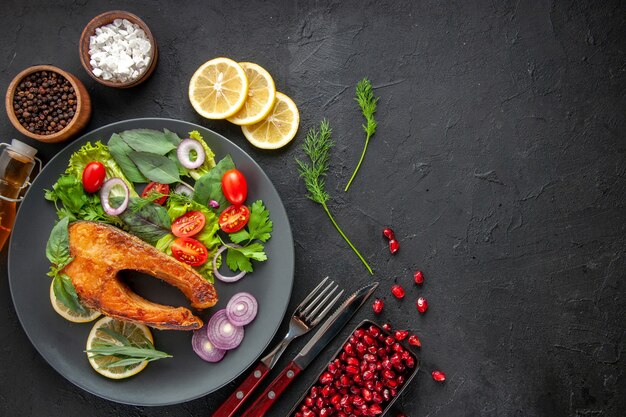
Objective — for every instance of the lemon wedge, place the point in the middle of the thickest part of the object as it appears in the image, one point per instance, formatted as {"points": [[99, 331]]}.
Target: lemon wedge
{"points": [[261, 95], [69, 314], [278, 128], [218, 89]]}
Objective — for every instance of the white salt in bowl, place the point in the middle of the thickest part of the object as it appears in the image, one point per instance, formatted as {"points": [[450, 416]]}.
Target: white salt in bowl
{"points": [[103, 20]]}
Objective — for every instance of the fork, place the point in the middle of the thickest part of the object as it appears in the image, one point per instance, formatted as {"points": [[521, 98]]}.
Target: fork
{"points": [[305, 317]]}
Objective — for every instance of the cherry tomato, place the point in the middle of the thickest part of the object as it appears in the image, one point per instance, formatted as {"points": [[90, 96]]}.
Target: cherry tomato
{"points": [[188, 224], [234, 218], [159, 188], [93, 176], [234, 187], [189, 251]]}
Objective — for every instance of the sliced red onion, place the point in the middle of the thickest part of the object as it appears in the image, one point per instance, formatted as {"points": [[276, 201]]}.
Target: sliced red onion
{"points": [[204, 348], [105, 193], [242, 309], [184, 189], [214, 204], [184, 153], [217, 273], [222, 333]]}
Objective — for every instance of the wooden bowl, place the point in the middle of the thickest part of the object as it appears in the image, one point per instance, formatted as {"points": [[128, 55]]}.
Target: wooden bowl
{"points": [[78, 122], [105, 19]]}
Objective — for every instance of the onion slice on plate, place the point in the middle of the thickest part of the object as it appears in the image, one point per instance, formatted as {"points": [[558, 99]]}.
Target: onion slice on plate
{"points": [[242, 309], [222, 333], [184, 153], [217, 273], [204, 348], [105, 194]]}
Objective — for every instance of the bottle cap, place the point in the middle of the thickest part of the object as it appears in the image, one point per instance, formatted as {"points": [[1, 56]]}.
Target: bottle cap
{"points": [[22, 148]]}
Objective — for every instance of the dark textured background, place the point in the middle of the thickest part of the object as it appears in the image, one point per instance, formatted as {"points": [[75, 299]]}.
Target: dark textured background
{"points": [[499, 161]]}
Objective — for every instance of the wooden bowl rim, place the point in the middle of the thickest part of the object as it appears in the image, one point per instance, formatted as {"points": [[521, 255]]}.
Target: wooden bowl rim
{"points": [[11, 93], [105, 19]]}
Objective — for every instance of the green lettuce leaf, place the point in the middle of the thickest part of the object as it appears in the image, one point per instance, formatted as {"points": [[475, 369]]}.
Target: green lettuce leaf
{"points": [[209, 160]]}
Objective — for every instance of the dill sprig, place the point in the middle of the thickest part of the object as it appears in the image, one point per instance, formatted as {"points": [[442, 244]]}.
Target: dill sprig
{"points": [[317, 145], [367, 103]]}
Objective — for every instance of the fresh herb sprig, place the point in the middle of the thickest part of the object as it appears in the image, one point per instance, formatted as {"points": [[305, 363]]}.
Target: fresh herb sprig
{"points": [[317, 145], [367, 103], [127, 352]]}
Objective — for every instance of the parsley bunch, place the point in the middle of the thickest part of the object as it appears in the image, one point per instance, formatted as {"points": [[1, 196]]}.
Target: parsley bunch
{"points": [[259, 228], [317, 146]]}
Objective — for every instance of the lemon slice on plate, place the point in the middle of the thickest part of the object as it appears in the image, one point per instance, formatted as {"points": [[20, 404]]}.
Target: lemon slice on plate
{"points": [[218, 88], [136, 333], [69, 314], [278, 128], [261, 95]]}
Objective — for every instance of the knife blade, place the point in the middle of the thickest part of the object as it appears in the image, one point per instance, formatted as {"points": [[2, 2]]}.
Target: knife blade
{"points": [[327, 332]]}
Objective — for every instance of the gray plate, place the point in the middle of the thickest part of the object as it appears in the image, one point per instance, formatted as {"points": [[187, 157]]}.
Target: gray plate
{"points": [[185, 376]]}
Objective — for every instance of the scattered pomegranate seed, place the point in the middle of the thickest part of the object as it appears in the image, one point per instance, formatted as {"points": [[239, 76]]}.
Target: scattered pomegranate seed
{"points": [[388, 233], [401, 334], [387, 327], [438, 376], [378, 305], [422, 305], [397, 291], [394, 245], [415, 341], [418, 277]]}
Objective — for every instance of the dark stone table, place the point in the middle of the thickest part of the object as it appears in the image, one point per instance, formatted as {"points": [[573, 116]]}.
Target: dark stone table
{"points": [[499, 161]]}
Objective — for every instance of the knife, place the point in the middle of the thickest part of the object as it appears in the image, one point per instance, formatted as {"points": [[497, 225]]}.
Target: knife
{"points": [[327, 332]]}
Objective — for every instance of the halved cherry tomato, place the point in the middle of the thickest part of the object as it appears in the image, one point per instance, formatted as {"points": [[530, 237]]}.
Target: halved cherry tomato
{"points": [[234, 218], [188, 224], [189, 251], [93, 176], [234, 187], [159, 188]]}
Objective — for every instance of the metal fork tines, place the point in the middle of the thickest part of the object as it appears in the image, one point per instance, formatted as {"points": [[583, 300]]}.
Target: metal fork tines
{"points": [[307, 315]]}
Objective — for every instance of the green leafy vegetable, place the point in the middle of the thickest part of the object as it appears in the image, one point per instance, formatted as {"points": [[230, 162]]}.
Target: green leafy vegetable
{"points": [[317, 145], [172, 137], [96, 153], [148, 221], [58, 246], [367, 103], [148, 140], [65, 292], [120, 150], [156, 168], [259, 226], [209, 186]]}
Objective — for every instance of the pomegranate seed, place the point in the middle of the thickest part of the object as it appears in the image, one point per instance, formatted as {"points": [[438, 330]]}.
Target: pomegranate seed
{"points": [[374, 331], [372, 349], [397, 291], [326, 378], [410, 363], [400, 368], [357, 379], [325, 391], [344, 380], [298, 414], [397, 347], [367, 375], [352, 361], [388, 233], [400, 379], [334, 400], [369, 357], [368, 340], [375, 409], [367, 394], [378, 305], [387, 327], [392, 383], [324, 412], [308, 401], [394, 245], [438, 376], [358, 401], [359, 333], [422, 305], [352, 370], [377, 398], [308, 413], [332, 368], [415, 341], [389, 374], [355, 390], [418, 277], [319, 403], [386, 394], [361, 348], [401, 334], [349, 349], [313, 392]]}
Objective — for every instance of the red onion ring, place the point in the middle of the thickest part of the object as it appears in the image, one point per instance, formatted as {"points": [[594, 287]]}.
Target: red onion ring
{"points": [[105, 192], [222, 333], [204, 348], [242, 309], [217, 273], [184, 153]]}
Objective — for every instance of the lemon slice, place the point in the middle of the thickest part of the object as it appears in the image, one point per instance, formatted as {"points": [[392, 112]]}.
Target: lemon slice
{"points": [[261, 95], [134, 332], [218, 88], [278, 128], [68, 314]]}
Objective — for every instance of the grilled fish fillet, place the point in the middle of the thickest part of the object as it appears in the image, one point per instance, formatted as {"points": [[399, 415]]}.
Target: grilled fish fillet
{"points": [[100, 251]]}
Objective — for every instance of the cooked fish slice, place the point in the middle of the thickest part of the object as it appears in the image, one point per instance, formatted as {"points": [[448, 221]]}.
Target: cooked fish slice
{"points": [[100, 251]]}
